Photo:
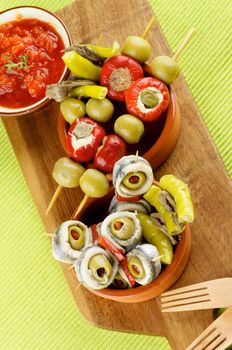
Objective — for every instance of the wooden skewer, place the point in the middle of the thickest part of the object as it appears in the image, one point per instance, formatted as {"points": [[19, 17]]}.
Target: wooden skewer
{"points": [[136, 155], [157, 258], [78, 286], [148, 28], [100, 39], [54, 198], [49, 234], [184, 43], [80, 206], [71, 267]]}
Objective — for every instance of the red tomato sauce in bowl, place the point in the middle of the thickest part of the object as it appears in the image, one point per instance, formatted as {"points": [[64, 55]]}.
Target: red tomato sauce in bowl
{"points": [[30, 59]]}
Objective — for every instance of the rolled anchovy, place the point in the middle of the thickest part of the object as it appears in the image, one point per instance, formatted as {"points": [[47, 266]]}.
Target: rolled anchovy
{"points": [[131, 164], [147, 265], [142, 205], [61, 248], [85, 274], [122, 244], [86, 52], [160, 224], [60, 91], [121, 276], [152, 253]]}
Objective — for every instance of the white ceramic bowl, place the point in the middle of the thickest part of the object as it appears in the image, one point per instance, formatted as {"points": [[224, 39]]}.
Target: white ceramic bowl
{"points": [[31, 12]]}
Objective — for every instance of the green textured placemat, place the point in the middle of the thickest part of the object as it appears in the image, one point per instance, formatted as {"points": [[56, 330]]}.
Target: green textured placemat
{"points": [[36, 308]]}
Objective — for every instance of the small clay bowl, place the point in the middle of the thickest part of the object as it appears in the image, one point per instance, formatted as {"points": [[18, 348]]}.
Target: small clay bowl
{"points": [[159, 138], [95, 211], [33, 12]]}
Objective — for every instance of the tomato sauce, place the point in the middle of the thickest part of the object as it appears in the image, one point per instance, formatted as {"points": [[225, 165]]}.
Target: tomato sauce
{"points": [[30, 59]]}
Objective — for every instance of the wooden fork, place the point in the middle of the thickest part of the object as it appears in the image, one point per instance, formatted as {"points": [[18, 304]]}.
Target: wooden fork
{"points": [[205, 295], [218, 336]]}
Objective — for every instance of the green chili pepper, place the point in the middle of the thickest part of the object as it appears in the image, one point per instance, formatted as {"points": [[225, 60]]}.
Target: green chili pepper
{"points": [[94, 91], [106, 51], [80, 66], [180, 192], [153, 235], [152, 196]]}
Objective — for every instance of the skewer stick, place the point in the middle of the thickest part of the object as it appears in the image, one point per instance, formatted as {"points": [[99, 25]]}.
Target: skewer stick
{"points": [[81, 206], [184, 43], [54, 198], [157, 258], [71, 267], [148, 28], [49, 234], [136, 155], [78, 286], [100, 39]]}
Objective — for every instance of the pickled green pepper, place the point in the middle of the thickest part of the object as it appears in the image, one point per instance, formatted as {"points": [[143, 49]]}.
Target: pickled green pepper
{"points": [[180, 192], [106, 51], [80, 66], [154, 236], [94, 91]]}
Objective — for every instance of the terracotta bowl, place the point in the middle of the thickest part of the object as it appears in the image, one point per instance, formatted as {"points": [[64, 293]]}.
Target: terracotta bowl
{"points": [[31, 12], [159, 138], [95, 211]]}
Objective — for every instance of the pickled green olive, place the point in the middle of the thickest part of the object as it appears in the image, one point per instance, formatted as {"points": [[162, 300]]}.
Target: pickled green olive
{"points": [[119, 282], [135, 180], [72, 109], [137, 48], [76, 237], [94, 183], [100, 110], [67, 173], [100, 267], [129, 128], [135, 267], [165, 69], [122, 228]]}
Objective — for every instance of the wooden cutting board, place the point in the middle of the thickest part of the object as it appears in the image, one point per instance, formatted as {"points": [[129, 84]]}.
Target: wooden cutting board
{"points": [[195, 159]]}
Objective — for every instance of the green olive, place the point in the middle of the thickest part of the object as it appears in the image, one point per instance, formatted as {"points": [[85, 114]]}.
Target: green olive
{"points": [[67, 173], [94, 183], [100, 267], [165, 68], [119, 282], [100, 110], [122, 228], [76, 237], [72, 109], [129, 128], [134, 180], [137, 48], [135, 267]]}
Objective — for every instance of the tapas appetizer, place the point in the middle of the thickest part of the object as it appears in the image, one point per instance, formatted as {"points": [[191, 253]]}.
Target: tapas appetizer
{"points": [[133, 243], [105, 79]]}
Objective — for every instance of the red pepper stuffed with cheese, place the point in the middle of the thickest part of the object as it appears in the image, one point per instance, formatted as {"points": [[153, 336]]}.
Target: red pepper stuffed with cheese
{"points": [[83, 139]]}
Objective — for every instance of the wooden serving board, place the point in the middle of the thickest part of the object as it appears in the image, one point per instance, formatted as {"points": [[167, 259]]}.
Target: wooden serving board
{"points": [[195, 159]]}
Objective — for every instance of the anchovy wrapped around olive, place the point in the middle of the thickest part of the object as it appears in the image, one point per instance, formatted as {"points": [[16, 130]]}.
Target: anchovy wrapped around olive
{"points": [[123, 229], [69, 240], [120, 280], [141, 265], [132, 176], [96, 268], [141, 206]]}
